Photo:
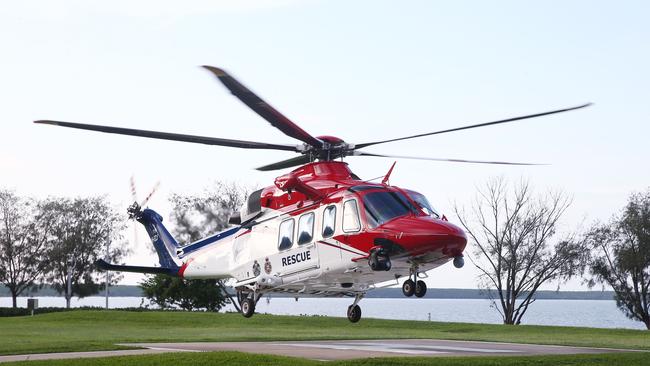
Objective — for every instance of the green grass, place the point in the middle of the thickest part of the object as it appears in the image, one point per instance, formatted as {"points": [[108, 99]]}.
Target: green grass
{"points": [[101, 330], [243, 359]]}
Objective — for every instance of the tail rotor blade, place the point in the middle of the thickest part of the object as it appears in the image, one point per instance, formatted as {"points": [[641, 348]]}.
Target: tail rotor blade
{"points": [[153, 190], [134, 195], [136, 241]]}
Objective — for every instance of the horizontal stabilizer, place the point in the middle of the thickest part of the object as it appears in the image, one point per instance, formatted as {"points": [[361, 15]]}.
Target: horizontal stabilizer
{"points": [[103, 265]]}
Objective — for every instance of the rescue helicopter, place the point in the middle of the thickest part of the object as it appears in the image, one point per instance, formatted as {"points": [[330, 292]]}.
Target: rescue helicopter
{"points": [[319, 230]]}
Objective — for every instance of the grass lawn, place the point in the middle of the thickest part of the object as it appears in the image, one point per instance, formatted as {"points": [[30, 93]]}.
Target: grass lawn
{"points": [[88, 330], [243, 359]]}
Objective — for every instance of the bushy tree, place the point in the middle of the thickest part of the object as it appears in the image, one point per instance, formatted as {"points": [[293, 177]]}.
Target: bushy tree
{"points": [[514, 237], [24, 227], [621, 257], [78, 237], [171, 292], [195, 216]]}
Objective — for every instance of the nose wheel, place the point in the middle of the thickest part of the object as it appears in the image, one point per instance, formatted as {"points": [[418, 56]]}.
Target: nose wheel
{"points": [[408, 288], [414, 286]]}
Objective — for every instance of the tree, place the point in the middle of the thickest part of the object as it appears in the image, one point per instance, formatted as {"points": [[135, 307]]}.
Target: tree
{"points": [[195, 217], [621, 257], [24, 226], [514, 237], [169, 292], [83, 229]]}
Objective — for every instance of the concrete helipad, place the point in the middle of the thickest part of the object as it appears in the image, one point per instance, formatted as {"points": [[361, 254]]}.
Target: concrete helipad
{"points": [[333, 350], [338, 350]]}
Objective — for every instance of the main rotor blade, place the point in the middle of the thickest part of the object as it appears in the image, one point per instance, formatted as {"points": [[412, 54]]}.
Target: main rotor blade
{"points": [[361, 146], [173, 136], [277, 119], [299, 160], [361, 153]]}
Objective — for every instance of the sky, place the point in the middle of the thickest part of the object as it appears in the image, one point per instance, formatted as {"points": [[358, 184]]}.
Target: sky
{"points": [[362, 71]]}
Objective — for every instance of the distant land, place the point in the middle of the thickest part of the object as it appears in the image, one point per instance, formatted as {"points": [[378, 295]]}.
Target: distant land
{"points": [[432, 293]]}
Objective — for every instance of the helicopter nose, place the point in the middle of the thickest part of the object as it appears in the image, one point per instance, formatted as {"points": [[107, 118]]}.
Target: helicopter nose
{"points": [[423, 234]]}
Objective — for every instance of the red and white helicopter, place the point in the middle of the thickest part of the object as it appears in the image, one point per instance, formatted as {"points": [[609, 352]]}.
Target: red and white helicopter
{"points": [[319, 230]]}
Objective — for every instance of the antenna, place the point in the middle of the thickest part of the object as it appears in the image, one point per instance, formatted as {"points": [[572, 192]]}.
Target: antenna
{"points": [[385, 180]]}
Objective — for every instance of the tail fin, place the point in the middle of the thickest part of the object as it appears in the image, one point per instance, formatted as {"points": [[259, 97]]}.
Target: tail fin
{"points": [[163, 241]]}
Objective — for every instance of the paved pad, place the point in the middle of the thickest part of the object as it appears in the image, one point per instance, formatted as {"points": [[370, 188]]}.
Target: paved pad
{"points": [[69, 355], [338, 350], [333, 350]]}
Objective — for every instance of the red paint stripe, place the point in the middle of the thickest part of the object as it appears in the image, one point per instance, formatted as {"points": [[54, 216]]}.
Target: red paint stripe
{"points": [[244, 233], [181, 271], [338, 247]]}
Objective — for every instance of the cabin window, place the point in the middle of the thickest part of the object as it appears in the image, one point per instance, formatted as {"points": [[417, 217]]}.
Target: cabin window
{"points": [[305, 228], [285, 240], [424, 204], [329, 221], [351, 221]]}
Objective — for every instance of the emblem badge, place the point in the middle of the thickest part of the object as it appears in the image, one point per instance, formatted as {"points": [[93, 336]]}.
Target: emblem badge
{"points": [[267, 266], [256, 269]]}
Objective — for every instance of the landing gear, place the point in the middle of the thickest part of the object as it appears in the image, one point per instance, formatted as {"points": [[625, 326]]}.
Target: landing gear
{"points": [[354, 313], [379, 260], [408, 288], [413, 286], [247, 307], [354, 310], [247, 302], [420, 288]]}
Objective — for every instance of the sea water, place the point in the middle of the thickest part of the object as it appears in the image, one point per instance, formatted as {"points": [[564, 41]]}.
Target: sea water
{"points": [[579, 313]]}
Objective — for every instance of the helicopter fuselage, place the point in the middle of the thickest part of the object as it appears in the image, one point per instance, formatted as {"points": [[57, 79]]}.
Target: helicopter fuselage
{"points": [[319, 243]]}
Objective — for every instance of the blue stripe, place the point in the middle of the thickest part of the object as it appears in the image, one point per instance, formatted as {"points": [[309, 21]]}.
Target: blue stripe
{"points": [[209, 240]]}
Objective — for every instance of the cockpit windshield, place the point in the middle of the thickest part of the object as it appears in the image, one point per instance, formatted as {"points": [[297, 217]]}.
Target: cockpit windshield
{"points": [[424, 204], [384, 206]]}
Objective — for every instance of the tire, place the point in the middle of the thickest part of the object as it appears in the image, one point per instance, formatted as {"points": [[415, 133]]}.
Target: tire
{"points": [[247, 307], [420, 289], [408, 288], [354, 313]]}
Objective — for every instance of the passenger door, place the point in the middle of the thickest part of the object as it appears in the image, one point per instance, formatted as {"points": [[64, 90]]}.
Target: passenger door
{"points": [[297, 248]]}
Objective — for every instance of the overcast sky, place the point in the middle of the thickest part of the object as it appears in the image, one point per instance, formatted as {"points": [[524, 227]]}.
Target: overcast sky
{"points": [[362, 71]]}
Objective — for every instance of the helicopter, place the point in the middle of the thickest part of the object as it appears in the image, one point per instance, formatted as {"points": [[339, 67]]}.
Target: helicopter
{"points": [[319, 230]]}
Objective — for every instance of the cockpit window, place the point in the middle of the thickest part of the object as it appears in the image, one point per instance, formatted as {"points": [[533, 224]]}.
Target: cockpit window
{"points": [[424, 204], [384, 206], [351, 221]]}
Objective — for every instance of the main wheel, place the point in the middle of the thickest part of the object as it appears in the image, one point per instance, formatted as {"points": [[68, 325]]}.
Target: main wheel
{"points": [[420, 289], [247, 307], [354, 313], [408, 288]]}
